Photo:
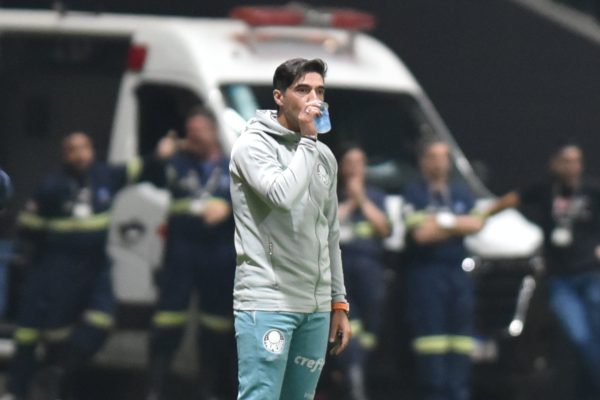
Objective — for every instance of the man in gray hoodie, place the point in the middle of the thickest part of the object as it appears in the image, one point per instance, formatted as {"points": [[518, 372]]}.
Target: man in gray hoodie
{"points": [[289, 295]]}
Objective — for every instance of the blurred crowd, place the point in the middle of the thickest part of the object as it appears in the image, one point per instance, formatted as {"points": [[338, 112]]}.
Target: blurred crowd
{"points": [[66, 306]]}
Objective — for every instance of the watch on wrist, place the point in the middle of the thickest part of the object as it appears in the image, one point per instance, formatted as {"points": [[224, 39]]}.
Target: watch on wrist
{"points": [[446, 220], [341, 306]]}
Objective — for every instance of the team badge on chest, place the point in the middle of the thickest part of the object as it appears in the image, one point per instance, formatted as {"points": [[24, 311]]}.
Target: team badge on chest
{"points": [[323, 174]]}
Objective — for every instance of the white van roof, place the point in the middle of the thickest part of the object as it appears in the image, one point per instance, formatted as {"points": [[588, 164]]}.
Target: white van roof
{"points": [[180, 47]]}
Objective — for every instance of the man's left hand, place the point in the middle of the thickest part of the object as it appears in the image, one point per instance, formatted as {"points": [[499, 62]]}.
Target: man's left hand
{"points": [[356, 190], [216, 212], [339, 332]]}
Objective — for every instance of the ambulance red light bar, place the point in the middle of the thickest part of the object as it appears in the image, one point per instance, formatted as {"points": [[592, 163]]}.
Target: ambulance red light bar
{"points": [[344, 18], [136, 57], [260, 16]]}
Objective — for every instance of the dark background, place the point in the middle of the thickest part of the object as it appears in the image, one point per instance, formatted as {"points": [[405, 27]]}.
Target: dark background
{"points": [[509, 84]]}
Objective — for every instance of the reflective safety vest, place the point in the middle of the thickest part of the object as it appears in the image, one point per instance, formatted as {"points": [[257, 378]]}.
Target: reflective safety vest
{"points": [[74, 211]]}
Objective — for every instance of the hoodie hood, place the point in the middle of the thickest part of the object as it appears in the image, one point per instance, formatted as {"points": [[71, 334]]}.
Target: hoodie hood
{"points": [[266, 121]]}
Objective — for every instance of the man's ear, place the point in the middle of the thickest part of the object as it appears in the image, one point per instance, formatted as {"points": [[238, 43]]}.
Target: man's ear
{"points": [[278, 97]]}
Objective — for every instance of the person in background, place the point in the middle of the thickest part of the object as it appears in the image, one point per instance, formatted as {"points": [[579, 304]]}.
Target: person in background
{"points": [[6, 245], [289, 294], [566, 205], [5, 188], [67, 301], [439, 293], [199, 255], [363, 225]]}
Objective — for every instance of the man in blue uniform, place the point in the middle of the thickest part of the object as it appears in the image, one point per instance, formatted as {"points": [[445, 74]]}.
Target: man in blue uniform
{"points": [[67, 300], [363, 225], [199, 255], [439, 293]]}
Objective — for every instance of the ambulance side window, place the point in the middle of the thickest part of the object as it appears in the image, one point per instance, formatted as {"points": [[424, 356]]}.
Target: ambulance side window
{"points": [[162, 108]]}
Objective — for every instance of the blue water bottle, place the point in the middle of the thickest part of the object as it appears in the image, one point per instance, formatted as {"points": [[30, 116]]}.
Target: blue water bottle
{"points": [[322, 122]]}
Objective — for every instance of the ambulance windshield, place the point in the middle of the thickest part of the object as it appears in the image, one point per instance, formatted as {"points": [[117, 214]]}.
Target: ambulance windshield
{"points": [[387, 125]]}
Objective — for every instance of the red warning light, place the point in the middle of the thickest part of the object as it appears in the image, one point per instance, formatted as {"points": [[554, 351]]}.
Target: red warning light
{"points": [[136, 57]]}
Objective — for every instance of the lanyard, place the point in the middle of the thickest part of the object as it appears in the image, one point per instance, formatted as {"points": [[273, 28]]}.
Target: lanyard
{"points": [[440, 200], [206, 190], [565, 209]]}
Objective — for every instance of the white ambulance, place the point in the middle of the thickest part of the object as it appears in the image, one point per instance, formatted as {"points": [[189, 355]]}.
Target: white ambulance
{"points": [[128, 79]]}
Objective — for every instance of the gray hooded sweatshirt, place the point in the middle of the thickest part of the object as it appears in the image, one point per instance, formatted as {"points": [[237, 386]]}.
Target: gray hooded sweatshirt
{"points": [[283, 190]]}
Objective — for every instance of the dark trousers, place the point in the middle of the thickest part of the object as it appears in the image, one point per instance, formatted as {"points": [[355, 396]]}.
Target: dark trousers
{"points": [[365, 284], [575, 300], [440, 306], [68, 304], [209, 269]]}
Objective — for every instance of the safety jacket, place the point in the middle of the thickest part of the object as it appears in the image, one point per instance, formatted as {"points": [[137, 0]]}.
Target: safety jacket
{"points": [[71, 212]]}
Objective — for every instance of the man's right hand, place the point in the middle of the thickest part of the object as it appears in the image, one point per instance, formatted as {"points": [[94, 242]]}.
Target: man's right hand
{"points": [[168, 145], [355, 187], [216, 211], [307, 116]]}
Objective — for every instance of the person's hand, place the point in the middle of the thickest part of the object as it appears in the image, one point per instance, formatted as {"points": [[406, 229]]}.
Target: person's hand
{"points": [[597, 252], [215, 211], [355, 187], [168, 145], [339, 332], [307, 116]]}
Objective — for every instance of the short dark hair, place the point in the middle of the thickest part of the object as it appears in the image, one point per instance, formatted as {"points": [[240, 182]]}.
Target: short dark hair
{"points": [[200, 111], [289, 71], [426, 142], [563, 143], [66, 138], [346, 147]]}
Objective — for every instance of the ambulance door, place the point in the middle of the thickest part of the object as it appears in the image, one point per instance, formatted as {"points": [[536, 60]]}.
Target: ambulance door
{"points": [[138, 217]]}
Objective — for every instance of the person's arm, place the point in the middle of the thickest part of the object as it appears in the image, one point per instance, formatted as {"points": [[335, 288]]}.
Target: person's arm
{"points": [[215, 211], [358, 198], [509, 200], [151, 167], [255, 161], [434, 229], [339, 332], [32, 221], [346, 208], [428, 228], [218, 207], [376, 216]]}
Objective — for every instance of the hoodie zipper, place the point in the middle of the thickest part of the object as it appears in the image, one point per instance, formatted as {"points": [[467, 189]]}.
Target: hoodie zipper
{"points": [[318, 247], [270, 254]]}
